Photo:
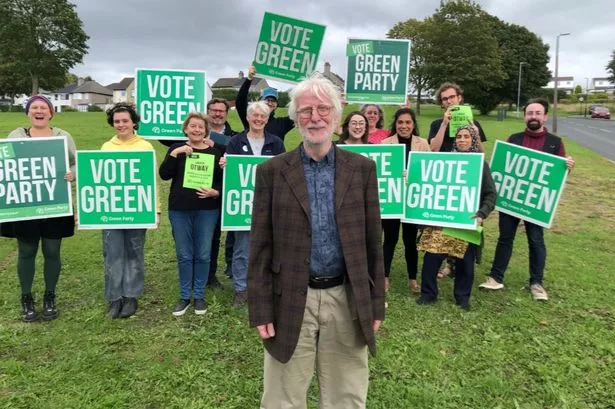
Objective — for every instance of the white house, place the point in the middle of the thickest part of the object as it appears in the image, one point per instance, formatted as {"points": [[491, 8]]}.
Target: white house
{"points": [[563, 83], [602, 85]]}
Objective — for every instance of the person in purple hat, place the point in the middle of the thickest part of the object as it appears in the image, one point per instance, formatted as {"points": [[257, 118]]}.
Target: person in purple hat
{"points": [[48, 231], [276, 126]]}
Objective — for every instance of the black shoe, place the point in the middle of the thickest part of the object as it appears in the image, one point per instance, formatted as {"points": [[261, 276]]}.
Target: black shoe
{"points": [[200, 307], [464, 305], [28, 313], [129, 307], [181, 307], [50, 311], [422, 300], [215, 284], [114, 309], [241, 299]]}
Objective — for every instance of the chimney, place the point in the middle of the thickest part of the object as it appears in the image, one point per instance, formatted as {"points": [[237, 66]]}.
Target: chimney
{"points": [[327, 68], [80, 81], [240, 75]]}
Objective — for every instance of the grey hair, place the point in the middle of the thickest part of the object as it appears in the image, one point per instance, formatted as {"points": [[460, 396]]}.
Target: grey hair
{"points": [[321, 88], [262, 105]]}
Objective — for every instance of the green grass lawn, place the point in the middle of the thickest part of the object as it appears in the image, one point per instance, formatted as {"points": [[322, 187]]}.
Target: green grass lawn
{"points": [[508, 352]]}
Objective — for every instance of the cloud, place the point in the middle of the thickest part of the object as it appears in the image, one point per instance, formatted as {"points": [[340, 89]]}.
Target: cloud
{"points": [[221, 37]]}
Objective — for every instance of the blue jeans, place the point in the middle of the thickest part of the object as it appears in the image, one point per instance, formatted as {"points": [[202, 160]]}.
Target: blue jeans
{"points": [[503, 251], [239, 266], [193, 231], [123, 259]]}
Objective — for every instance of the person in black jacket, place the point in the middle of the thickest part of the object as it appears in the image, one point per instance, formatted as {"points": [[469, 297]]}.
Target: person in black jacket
{"points": [[193, 212], [276, 126], [256, 141]]}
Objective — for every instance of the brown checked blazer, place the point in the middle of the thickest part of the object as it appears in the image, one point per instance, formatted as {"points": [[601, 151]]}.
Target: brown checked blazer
{"points": [[281, 245]]}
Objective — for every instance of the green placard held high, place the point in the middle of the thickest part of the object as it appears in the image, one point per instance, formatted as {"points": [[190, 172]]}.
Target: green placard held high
{"points": [[116, 189], [443, 189], [529, 182], [377, 71], [461, 115], [165, 97], [287, 48]]}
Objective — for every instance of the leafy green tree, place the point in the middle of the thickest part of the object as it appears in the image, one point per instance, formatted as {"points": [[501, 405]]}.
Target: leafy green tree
{"points": [[610, 68], [419, 35], [465, 50], [44, 37], [578, 90], [519, 45]]}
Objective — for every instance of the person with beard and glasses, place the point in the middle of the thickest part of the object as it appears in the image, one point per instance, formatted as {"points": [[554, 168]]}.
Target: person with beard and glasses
{"points": [[316, 282], [221, 133], [275, 126], [438, 246], [448, 95], [538, 138], [405, 131]]}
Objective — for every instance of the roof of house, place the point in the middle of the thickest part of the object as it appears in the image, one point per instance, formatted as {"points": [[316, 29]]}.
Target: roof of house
{"points": [[234, 82], [93, 87], [67, 89], [122, 85], [563, 79]]}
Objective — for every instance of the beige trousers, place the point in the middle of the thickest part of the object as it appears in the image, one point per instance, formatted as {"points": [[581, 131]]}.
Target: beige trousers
{"points": [[332, 340]]}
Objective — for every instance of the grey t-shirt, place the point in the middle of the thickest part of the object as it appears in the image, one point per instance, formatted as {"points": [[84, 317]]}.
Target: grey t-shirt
{"points": [[256, 145]]}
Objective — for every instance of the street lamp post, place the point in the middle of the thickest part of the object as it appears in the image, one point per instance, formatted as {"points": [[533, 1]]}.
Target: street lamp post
{"points": [[555, 82], [519, 87], [586, 95]]}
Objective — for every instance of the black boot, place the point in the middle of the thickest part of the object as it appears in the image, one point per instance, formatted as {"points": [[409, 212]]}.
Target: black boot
{"points": [[114, 309], [28, 313], [50, 311], [129, 307]]}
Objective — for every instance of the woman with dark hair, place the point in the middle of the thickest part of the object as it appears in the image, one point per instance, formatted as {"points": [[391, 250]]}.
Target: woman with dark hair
{"points": [[375, 119], [438, 246], [123, 248], [354, 129], [404, 131], [49, 231], [193, 212]]}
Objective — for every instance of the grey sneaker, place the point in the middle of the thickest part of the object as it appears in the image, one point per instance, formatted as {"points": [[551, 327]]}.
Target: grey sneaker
{"points": [[181, 307], [491, 284], [539, 293], [200, 307]]}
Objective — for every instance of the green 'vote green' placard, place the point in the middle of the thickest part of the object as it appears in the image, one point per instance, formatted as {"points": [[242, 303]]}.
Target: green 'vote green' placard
{"points": [[116, 189], [443, 189], [390, 164], [287, 48], [165, 97], [238, 191], [529, 182], [32, 184]]}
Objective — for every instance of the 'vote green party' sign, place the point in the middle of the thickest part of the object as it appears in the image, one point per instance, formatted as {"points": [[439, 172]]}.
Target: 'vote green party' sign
{"points": [[32, 184], [287, 48], [116, 189], [377, 71], [165, 97], [529, 182], [443, 189], [390, 166], [238, 191]]}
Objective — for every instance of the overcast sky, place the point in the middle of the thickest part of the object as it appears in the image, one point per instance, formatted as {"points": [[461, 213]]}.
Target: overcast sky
{"points": [[220, 36]]}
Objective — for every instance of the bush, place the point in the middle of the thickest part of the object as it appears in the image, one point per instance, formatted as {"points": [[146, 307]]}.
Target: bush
{"points": [[94, 108], [11, 108], [68, 108]]}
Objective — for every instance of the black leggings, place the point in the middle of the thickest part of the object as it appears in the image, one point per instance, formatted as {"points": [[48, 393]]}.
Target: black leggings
{"points": [[390, 227], [26, 260]]}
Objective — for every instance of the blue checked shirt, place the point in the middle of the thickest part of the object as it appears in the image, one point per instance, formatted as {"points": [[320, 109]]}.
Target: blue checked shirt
{"points": [[327, 259]]}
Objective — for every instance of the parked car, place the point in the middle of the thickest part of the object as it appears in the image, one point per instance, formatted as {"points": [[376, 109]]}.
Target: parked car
{"points": [[591, 108], [601, 112]]}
